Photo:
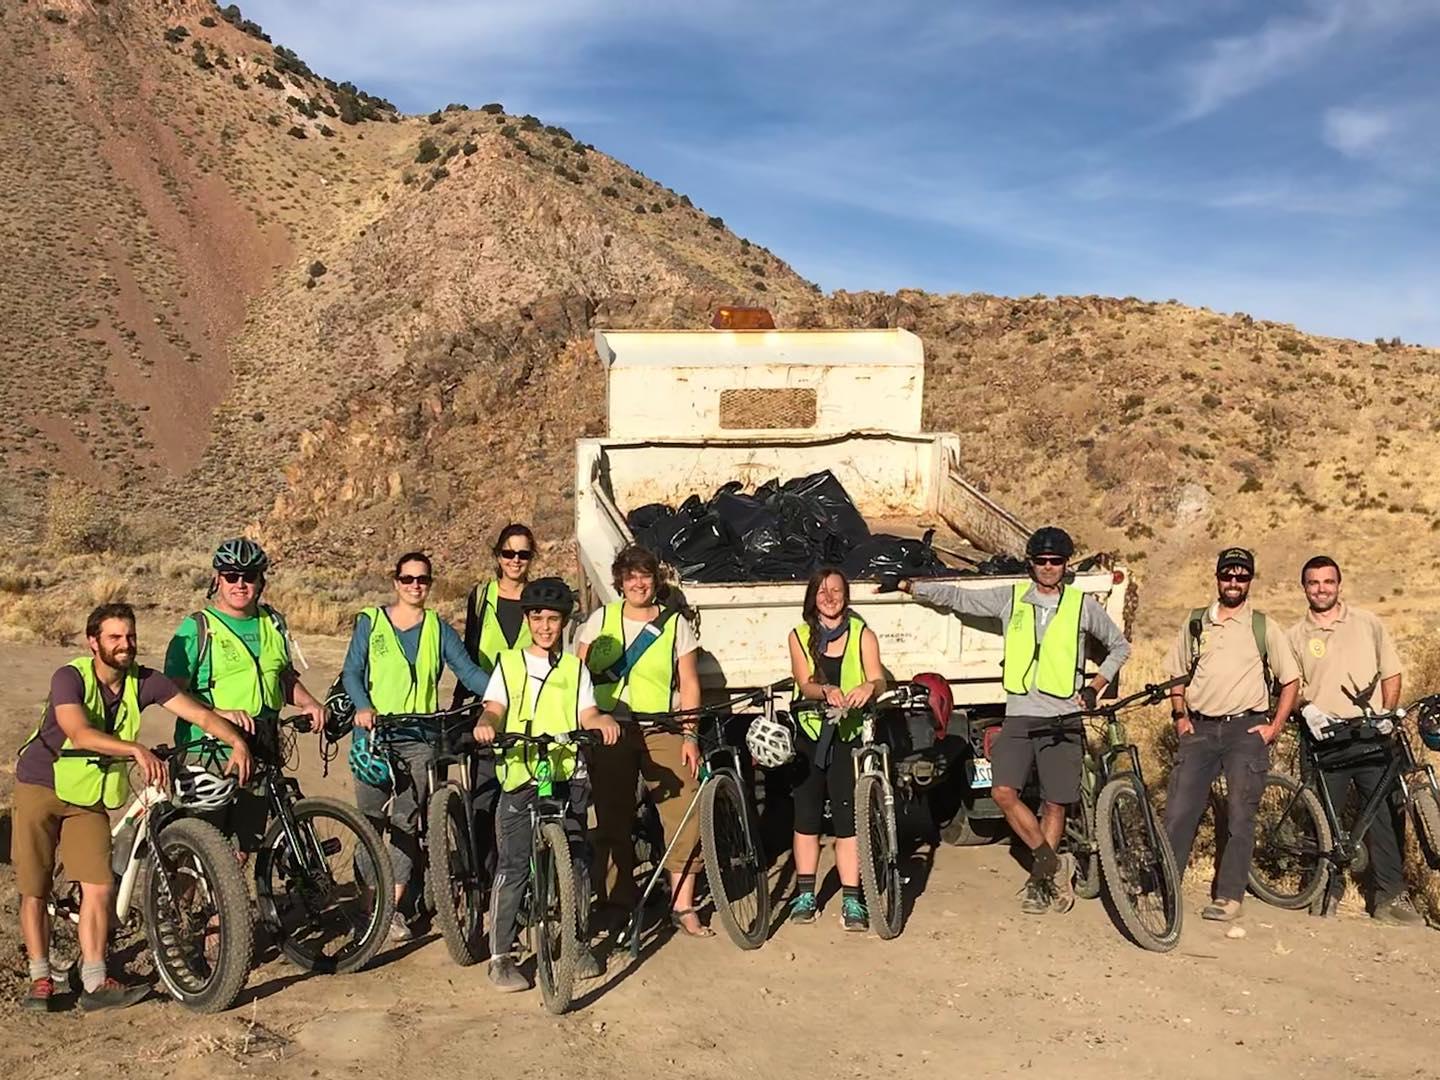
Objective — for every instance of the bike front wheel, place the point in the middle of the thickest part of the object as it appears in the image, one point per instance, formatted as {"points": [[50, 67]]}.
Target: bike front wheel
{"points": [[456, 883], [1427, 824], [1138, 870], [734, 866], [197, 919], [557, 944], [879, 861], [330, 902], [1289, 868]]}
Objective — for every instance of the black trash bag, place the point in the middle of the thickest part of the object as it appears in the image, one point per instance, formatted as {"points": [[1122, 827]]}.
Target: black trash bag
{"points": [[655, 527], [886, 554], [1007, 565], [768, 550], [831, 505]]}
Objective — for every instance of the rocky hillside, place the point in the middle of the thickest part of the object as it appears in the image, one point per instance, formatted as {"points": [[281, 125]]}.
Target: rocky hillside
{"points": [[265, 299], [212, 247]]}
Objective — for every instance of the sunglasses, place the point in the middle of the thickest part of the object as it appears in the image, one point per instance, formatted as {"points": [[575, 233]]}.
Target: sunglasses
{"points": [[523, 556], [1048, 560], [234, 577], [414, 579], [1234, 575]]}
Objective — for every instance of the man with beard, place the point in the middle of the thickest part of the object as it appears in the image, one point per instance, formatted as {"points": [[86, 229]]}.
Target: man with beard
{"points": [[1346, 657], [1232, 654], [62, 793]]}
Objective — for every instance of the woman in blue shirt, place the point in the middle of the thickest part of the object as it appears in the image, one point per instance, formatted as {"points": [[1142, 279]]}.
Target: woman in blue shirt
{"points": [[396, 657]]}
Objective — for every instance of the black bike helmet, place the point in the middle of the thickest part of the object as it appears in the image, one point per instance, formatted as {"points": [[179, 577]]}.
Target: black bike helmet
{"points": [[240, 553], [548, 594], [1049, 540]]}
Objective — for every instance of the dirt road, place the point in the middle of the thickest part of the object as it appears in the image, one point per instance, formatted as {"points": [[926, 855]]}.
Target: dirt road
{"points": [[972, 987]]}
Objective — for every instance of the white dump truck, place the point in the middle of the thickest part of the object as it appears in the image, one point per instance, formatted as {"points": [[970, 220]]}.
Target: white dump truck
{"points": [[691, 410]]}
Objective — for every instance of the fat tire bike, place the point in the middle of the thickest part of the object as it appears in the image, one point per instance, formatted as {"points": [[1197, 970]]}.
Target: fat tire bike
{"points": [[178, 876], [323, 881]]}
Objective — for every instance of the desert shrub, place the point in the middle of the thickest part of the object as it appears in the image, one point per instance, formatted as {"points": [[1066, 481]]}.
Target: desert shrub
{"points": [[327, 131], [428, 152], [198, 57], [609, 192], [176, 34], [578, 148], [685, 201], [509, 131], [436, 117], [287, 61], [55, 15], [297, 132], [207, 22], [530, 123], [494, 108], [77, 522], [469, 148], [440, 172], [270, 79], [715, 222], [582, 166], [635, 182], [349, 108], [317, 269], [640, 208]]}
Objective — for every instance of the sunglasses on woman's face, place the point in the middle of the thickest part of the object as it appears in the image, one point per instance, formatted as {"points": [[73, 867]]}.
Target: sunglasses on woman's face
{"points": [[522, 555], [414, 579], [234, 577]]}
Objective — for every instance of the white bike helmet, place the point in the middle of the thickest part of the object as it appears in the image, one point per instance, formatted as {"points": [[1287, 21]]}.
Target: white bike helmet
{"points": [[196, 788], [771, 741]]}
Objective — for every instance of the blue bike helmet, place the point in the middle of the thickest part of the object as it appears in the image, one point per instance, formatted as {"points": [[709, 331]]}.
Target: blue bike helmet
{"points": [[1427, 721], [369, 767]]}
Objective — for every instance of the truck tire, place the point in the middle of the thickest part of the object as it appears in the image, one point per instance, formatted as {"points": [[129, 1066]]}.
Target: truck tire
{"points": [[964, 831]]}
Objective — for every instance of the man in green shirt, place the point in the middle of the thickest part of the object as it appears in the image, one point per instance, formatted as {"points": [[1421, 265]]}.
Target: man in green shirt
{"points": [[234, 655]]}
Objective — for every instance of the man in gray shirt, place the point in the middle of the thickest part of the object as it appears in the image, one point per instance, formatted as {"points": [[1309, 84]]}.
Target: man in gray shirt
{"points": [[1045, 624]]}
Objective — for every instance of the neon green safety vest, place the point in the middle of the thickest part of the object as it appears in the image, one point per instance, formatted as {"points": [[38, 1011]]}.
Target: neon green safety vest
{"points": [[647, 687], [492, 638], [553, 710], [239, 679], [79, 778], [852, 673], [394, 683], [1050, 664]]}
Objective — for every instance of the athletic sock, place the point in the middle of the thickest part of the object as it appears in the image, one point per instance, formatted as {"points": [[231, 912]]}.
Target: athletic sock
{"points": [[39, 969], [1046, 861], [92, 976], [852, 892], [804, 883]]}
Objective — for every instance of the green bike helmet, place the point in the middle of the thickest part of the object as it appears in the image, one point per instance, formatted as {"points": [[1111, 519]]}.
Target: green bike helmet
{"points": [[240, 553], [369, 767]]}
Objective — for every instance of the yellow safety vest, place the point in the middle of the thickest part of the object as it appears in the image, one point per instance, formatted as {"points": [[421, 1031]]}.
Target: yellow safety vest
{"points": [[553, 710], [811, 714], [492, 637], [1050, 664], [394, 683], [649, 685], [80, 779]]}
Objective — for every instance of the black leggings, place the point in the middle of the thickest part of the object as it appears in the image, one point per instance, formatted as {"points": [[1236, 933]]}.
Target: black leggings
{"points": [[813, 784]]}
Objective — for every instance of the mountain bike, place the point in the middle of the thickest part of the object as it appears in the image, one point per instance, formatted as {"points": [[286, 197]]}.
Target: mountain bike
{"points": [[550, 912], [322, 876], [192, 899], [1300, 835], [882, 789], [1120, 847], [454, 844], [735, 869]]}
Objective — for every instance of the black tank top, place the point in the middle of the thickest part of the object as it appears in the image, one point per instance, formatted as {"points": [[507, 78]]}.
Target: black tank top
{"points": [[830, 669]]}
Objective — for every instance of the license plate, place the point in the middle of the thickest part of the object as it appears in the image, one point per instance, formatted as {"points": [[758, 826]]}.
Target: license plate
{"points": [[979, 772]]}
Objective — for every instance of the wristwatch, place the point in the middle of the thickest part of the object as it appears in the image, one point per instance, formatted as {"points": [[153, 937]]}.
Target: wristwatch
{"points": [[1178, 714]]}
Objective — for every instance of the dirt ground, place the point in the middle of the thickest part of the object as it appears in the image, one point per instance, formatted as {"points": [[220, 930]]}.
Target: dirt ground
{"points": [[971, 987]]}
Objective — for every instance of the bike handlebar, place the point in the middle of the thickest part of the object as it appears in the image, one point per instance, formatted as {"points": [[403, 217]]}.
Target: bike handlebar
{"points": [[509, 739], [675, 717], [434, 719]]}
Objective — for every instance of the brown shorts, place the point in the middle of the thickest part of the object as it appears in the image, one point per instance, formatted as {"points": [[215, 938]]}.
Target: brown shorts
{"points": [[40, 822]]}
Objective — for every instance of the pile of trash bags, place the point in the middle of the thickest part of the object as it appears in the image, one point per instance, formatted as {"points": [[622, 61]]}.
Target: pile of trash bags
{"points": [[783, 532]]}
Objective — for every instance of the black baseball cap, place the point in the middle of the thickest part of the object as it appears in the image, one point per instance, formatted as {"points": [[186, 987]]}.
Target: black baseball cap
{"points": [[1236, 556]]}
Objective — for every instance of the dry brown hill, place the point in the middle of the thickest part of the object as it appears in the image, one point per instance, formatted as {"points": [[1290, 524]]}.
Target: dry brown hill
{"points": [[273, 301], [211, 246]]}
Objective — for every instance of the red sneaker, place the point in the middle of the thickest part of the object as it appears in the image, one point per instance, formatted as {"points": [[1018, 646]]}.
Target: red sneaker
{"points": [[42, 993]]}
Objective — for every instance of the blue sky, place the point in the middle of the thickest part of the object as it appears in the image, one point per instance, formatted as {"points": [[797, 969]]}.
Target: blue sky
{"points": [[1277, 158]]}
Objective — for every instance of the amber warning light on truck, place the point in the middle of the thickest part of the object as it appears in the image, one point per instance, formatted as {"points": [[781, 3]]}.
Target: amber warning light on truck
{"points": [[742, 318]]}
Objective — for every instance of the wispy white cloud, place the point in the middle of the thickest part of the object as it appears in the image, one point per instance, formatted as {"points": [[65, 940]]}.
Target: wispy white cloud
{"points": [[1356, 131]]}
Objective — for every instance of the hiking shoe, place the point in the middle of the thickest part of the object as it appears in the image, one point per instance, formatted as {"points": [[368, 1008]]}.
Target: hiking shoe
{"points": [[1397, 912], [1040, 895], [587, 965], [112, 995], [1064, 885], [804, 908], [505, 976], [854, 918], [1221, 911], [41, 997], [400, 930]]}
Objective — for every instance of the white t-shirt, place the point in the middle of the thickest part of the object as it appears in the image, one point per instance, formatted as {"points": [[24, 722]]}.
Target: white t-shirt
{"points": [[685, 640], [538, 668]]}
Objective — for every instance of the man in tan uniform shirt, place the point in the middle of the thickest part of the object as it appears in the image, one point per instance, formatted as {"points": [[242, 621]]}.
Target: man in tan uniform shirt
{"points": [[1346, 654], [1222, 719]]}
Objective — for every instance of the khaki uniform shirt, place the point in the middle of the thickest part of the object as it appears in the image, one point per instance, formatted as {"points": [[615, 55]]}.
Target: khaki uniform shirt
{"points": [[1348, 654], [1230, 677]]}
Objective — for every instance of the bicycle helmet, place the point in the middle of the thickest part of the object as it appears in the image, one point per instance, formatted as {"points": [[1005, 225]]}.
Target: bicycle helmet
{"points": [[1049, 540], [240, 553], [548, 594], [942, 700], [368, 766], [771, 741], [196, 788], [1427, 722], [339, 713]]}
